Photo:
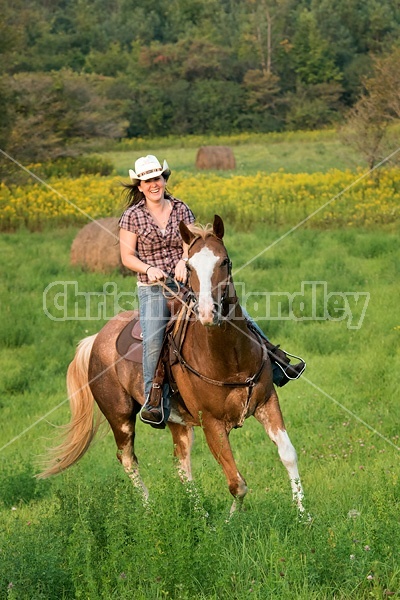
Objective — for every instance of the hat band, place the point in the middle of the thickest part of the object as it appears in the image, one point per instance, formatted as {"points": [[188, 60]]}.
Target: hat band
{"points": [[159, 170]]}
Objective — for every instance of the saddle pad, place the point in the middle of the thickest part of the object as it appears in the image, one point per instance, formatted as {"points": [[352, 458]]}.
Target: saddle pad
{"points": [[129, 342]]}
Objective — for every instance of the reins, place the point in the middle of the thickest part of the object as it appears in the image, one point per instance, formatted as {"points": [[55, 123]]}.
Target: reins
{"points": [[173, 294], [250, 382], [187, 306]]}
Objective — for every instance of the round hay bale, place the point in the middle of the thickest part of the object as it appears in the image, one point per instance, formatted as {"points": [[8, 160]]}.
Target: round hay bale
{"points": [[96, 247], [215, 157]]}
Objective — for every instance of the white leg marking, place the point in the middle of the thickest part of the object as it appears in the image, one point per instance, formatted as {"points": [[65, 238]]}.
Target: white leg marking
{"points": [[242, 491], [185, 464], [204, 262], [131, 467], [288, 456]]}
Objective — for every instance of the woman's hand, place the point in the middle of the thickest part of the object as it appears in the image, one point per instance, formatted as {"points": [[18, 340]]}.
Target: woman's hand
{"points": [[180, 271], [155, 274]]}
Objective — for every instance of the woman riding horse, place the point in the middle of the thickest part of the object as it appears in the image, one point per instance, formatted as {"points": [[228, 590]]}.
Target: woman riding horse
{"points": [[151, 246], [222, 371]]}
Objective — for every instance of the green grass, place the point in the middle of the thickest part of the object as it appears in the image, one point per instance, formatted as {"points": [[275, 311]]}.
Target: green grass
{"points": [[298, 152], [85, 534]]}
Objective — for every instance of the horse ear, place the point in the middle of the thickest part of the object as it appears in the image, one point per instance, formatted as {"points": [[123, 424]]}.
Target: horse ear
{"points": [[218, 227], [186, 234]]}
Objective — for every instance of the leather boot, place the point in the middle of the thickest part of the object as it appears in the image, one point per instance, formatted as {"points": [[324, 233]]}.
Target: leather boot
{"points": [[152, 411], [289, 372]]}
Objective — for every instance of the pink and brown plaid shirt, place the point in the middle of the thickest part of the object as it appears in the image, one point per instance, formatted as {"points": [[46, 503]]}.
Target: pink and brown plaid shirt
{"points": [[153, 247]]}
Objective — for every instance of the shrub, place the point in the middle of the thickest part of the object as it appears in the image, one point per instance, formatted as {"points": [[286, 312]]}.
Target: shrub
{"points": [[74, 166]]}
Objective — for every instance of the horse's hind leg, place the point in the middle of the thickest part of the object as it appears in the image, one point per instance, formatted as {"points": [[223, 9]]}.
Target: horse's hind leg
{"points": [[183, 440], [118, 408], [270, 416], [124, 434]]}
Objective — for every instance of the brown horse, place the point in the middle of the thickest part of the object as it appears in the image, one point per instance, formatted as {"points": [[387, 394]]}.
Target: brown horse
{"points": [[224, 376]]}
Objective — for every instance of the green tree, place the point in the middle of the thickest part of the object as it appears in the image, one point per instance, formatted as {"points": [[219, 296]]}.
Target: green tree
{"points": [[311, 55], [313, 106], [368, 123], [384, 86], [49, 110]]}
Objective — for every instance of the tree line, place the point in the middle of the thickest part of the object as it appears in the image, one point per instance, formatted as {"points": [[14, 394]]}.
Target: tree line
{"points": [[80, 69]]}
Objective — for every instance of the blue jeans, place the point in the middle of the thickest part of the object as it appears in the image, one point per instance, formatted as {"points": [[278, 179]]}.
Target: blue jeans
{"points": [[277, 374], [154, 316]]}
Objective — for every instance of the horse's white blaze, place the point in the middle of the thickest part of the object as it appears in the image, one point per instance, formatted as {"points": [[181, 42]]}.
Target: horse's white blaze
{"points": [[288, 456], [204, 262]]}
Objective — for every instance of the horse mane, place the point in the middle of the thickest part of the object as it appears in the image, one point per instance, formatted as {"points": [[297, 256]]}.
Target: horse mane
{"points": [[201, 231]]}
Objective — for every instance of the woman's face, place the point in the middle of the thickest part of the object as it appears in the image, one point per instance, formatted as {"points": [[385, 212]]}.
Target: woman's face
{"points": [[153, 188]]}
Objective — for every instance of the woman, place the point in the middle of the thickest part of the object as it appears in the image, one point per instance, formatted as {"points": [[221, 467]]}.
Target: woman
{"points": [[151, 245]]}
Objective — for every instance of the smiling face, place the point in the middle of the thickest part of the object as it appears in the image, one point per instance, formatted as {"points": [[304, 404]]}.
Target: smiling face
{"points": [[153, 189]]}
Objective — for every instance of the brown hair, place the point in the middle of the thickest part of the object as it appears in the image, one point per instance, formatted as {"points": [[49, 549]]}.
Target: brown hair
{"points": [[132, 195]]}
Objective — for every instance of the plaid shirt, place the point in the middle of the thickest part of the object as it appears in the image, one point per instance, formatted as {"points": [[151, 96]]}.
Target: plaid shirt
{"points": [[154, 248]]}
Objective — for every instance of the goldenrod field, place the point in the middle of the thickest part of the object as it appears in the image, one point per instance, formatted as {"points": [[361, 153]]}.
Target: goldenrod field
{"points": [[337, 198]]}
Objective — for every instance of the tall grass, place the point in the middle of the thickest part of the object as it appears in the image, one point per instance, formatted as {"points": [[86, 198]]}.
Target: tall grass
{"points": [[85, 534]]}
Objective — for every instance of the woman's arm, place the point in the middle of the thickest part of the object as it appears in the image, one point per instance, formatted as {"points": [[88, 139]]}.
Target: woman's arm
{"points": [[180, 269], [127, 245]]}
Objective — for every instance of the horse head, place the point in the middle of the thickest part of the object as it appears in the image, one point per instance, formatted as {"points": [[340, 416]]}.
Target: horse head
{"points": [[209, 270]]}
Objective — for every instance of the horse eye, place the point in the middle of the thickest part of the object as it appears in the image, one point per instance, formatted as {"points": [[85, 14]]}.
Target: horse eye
{"points": [[225, 262]]}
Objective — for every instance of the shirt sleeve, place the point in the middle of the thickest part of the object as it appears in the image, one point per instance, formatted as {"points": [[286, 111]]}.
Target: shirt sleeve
{"points": [[188, 216], [127, 221]]}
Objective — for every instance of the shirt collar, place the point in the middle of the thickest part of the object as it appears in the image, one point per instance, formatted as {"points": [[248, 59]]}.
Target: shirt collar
{"points": [[142, 202]]}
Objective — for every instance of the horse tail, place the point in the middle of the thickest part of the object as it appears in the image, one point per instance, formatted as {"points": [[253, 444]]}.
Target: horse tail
{"points": [[79, 433]]}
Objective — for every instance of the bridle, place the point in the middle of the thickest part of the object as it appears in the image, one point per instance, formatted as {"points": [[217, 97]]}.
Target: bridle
{"points": [[225, 296], [191, 300]]}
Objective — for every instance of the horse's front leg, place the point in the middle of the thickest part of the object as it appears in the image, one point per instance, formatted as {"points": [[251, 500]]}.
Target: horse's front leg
{"points": [[218, 442], [270, 416], [183, 440]]}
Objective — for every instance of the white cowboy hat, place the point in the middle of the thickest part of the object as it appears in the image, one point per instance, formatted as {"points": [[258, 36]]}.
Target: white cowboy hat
{"points": [[147, 167]]}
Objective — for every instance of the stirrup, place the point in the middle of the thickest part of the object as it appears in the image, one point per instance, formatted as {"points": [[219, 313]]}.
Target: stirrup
{"points": [[147, 405], [289, 365]]}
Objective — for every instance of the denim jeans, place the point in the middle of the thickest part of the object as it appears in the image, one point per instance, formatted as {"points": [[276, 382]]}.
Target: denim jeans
{"points": [[154, 316], [277, 373]]}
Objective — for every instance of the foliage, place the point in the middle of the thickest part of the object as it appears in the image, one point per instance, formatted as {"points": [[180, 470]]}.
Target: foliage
{"points": [[314, 105], [367, 127], [74, 166], [313, 60], [275, 199], [384, 85], [86, 534], [117, 69], [54, 108]]}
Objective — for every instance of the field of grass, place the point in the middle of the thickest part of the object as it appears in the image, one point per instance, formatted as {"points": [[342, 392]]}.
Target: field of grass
{"points": [[85, 533], [290, 152]]}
